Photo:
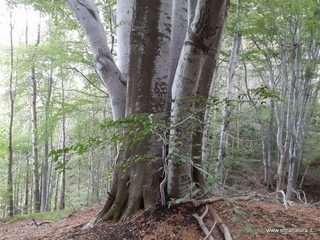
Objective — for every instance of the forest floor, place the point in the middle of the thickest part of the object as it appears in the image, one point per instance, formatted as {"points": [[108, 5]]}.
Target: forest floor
{"points": [[261, 217], [251, 219]]}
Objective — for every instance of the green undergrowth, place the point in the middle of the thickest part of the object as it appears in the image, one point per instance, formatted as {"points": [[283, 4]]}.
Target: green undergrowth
{"points": [[44, 216]]}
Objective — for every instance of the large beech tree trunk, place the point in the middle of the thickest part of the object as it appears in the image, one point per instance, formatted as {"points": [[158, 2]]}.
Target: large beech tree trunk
{"points": [[136, 182], [150, 58]]}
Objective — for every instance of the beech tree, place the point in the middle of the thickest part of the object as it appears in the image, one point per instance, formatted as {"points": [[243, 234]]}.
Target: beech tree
{"points": [[10, 137], [285, 35], [171, 43]]}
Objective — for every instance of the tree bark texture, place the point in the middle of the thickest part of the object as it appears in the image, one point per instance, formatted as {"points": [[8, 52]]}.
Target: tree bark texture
{"points": [[89, 19], [159, 49], [222, 154], [36, 187], [10, 134], [45, 165], [205, 28]]}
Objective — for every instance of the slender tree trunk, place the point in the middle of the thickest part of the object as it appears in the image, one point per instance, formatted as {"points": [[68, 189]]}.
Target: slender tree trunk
{"points": [[63, 171], [10, 136], [26, 197], [222, 154], [36, 188], [44, 178], [280, 116]]}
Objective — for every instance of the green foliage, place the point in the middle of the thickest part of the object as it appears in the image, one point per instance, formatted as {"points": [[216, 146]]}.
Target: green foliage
{"points": [[241, 216], [262, 93], [3, 142], [43, 216], [129, 131], [248, 228], [191, 195], [277, 225]]}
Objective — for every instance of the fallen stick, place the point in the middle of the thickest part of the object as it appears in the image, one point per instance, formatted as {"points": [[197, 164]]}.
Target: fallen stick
{"points": [[223, 228], [198, 203], [209, 234], [202, 224], [44, 222], [40, 223], [283, 197], [35, 222]]}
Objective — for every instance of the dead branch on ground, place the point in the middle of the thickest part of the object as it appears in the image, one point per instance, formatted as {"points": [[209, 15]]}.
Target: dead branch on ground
{"points": [[200, 202], [283, 197], [40, 223], [35, 222], [203, 225], [223, 228]]}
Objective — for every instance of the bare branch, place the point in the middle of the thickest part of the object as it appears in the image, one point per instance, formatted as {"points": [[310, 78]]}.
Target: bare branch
{"points": [[91, 95], [85, 77]]}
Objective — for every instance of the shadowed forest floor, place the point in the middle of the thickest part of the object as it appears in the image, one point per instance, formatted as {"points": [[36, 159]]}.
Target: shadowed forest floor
{"points": [[245, 219]]}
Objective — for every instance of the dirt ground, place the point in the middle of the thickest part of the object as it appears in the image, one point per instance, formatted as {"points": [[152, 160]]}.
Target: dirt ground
{"points": [[262, 217], [245, 219]]}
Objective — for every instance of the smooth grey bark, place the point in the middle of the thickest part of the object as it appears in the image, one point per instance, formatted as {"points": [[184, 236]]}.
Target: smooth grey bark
{"points": [[45, 164], [62, 197], [233, 62], [124, 18], [147, 87], [35, 137], [88, 16], [209, 19], [36, 177], [178, 33], [192, 4], [10, 134], [206, 84], [26, 192]]}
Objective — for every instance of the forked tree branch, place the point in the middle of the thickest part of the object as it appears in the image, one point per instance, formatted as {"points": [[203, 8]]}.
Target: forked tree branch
{"points": [[203, 225], [223, 228]]}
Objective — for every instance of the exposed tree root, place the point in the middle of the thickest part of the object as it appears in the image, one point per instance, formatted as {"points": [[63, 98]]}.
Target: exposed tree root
{"points": [[130, 192]]}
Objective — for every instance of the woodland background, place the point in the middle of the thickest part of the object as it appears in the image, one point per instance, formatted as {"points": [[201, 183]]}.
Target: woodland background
{"points": [[263, 111]]}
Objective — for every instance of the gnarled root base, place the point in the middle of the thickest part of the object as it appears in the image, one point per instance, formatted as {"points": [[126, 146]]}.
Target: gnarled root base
{"points": [[129, 193]]}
